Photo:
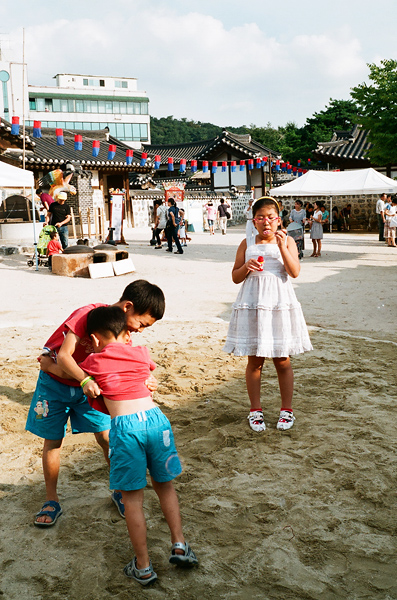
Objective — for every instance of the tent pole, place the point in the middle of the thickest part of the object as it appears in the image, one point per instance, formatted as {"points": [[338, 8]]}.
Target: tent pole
{"points": [[36, 258], [330, 215]]}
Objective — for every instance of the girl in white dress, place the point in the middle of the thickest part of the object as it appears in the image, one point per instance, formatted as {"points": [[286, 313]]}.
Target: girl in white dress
{"points": [[267, 319], [250, 231]]}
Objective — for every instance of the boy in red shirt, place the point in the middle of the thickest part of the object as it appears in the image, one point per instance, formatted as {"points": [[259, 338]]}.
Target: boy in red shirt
{"points": [[54, 247], [140, 438], [62, 388]]}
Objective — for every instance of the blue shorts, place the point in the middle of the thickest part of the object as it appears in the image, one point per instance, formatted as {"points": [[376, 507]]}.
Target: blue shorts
{"points": [[210, 222], [141, 441], [52, 405]]}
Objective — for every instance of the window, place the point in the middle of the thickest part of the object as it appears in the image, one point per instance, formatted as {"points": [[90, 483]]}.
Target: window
{"points": [[94, 106], [109, 108], [137, 108], [144, 108], [48, 105], [124, 84], [40, 104], [116, 107], [130, 108], [101, 106], [120, 131], [123, 108], [102, 82], [144, 132], [32, 104], [79, 106], [85, 81], [71, 107], [136, 131]]}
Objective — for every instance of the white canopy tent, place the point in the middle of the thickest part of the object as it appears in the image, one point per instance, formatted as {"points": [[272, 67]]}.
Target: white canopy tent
{"points": [[337, 183], [13, 177]]}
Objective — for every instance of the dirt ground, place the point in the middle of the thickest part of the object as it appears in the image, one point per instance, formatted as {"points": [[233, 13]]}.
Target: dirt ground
{"points": [[303, 514]]}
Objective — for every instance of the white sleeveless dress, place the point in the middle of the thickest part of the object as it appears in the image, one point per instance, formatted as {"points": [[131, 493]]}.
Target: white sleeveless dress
{"points": [[267, 319]]}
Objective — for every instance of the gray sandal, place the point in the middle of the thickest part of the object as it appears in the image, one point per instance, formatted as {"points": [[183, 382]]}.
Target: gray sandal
{"points": [[188, 559], [132, 571]]}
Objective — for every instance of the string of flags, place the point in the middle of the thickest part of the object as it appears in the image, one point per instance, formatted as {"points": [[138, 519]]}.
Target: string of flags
{"points": [[250, 164]]}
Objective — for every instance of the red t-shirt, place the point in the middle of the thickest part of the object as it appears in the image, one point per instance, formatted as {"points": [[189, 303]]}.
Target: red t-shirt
{"points": [[120, 370], [54, 247], [77, 324]]}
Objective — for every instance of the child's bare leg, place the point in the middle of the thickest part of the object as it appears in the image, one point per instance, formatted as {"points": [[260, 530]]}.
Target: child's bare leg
{"points": [[102, 437], [170, 507], [136, 524], [318, 247], [51, 463], [285, 376], [253, 374]]}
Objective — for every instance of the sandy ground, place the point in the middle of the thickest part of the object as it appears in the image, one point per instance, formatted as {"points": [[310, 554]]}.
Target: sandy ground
{"points": [[305, 514]]}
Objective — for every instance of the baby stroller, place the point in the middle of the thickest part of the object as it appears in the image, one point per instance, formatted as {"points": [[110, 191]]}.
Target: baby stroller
{"points": [[296, 231], [44, 238]]}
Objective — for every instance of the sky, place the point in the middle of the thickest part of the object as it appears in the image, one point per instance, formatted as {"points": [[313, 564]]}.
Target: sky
{"points": [[226, 62]]}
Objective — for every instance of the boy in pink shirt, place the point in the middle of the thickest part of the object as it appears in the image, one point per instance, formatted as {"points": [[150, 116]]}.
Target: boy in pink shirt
{"points": [[140, 437]]}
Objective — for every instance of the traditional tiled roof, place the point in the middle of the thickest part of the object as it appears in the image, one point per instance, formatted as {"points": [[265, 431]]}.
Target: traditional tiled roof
{"points": [[46, 152], [240, 145], [345, 146], [14, 140]]}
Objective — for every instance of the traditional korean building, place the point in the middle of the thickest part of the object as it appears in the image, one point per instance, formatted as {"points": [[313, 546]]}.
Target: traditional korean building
{"points": [[94, 176], [223, 150], [348, 150]]}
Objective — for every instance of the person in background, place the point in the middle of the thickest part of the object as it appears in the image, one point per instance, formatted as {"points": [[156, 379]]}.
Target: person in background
{"points": [[211, 216], [298, 213], [380, 215], [54, 247], [171, 230], [160, 222], [336, 218], [156, 204], [222, 215], [325, 219], [182, 228], [391, 217], [316, 231], [60, 215], [345, 212], [283, 214]]}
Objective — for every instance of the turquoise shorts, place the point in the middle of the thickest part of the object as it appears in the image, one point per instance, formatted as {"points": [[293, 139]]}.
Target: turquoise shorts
{"points": [[141, 441], [54, 403]]}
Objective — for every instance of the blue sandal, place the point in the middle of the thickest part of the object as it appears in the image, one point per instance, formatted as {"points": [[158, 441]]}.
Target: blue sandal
{"points": [[188, 559], [132, 571], [53, 514], [118, 500]]}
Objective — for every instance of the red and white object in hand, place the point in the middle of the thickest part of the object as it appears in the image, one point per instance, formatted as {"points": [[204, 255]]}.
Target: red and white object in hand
{"points": [[261, 261]]}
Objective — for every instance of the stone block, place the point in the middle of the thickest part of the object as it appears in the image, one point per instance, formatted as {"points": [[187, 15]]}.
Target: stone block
{"points": [[72, 265]]}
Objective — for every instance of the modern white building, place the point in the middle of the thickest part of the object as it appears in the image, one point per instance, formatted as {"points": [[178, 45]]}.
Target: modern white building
{"points": [[77, 102]]}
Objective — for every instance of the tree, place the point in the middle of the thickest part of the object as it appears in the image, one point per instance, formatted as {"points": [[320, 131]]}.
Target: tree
{"points": [[377, 110]]}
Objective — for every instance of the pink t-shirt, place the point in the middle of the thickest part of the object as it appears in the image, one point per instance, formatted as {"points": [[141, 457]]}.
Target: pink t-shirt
{"points": [[211, 212], [120, 370], [77, 324]]}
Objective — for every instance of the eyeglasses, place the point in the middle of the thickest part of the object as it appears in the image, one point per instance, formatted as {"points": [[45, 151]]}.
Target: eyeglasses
{"points": [[267, 219]]}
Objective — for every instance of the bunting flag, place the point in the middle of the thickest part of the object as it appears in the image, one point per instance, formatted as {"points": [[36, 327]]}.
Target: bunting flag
{"points": [[242, 165], [250, 164], [182, 165], [224, 166], [298, 162], [37, 129], [78, 142], [157, 162], [112, 151], [300, 172], [205, 166], [170, 163], [214, 166], [258, 163], [15, 126], [283, 167], [289, 169], [294, 171], [264, 161], [59, 134], [95, 147], [277, 165], [233, 166], [193, 166], [143, 159], [128, 156]]}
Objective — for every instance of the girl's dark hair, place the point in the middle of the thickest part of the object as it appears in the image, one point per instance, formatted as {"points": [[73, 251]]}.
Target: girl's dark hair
{"points": [[171, 201], [265, 201], [299, 202], [106, 320], [146, 298], [53, 234]]}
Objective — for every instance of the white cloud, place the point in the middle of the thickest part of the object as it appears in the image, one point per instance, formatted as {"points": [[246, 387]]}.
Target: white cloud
{"points": [[192, 66]]}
